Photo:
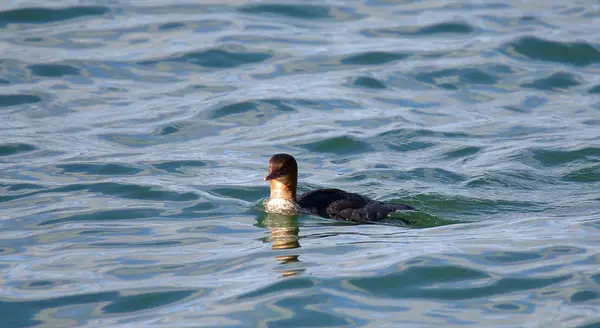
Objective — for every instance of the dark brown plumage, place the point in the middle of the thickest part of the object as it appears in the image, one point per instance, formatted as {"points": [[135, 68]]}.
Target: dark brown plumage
{"points": [[329, 203]]}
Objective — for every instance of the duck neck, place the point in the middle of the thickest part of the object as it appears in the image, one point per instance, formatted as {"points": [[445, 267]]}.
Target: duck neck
{"points": [[283, 189]]}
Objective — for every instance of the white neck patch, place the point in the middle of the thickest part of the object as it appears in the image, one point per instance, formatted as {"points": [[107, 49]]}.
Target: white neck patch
{"points": [[281, 206]]}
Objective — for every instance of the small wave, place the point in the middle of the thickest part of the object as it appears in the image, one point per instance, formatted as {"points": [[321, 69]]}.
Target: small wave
{"points": [[53, 70], [528, 104], [430, 30], [436, 175], [368, 82], [338, 145], [586, 175], [554, 82], [373, 58], [548, 157], [521, 180], [98, 169], [465, 151], [106, 215], [48, 15], [15, 148], [179, 166], [572, 53], [214, 58], [453, 79], [295, 11], [254, 112], [129, 191], [310, 12], [19, 99], [411, 283], [24, 312]]}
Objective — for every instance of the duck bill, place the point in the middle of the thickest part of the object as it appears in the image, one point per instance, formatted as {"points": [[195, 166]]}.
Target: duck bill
{"points": [[272, 176]]}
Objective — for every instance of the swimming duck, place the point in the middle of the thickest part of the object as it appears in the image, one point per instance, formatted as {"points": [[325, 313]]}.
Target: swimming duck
{"points": [[329, 203]]}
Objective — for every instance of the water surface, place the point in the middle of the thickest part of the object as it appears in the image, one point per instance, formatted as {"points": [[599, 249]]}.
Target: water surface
{"points": [[134, 136]]}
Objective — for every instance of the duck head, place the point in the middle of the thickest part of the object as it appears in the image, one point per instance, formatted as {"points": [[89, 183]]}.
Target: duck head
{"points": [[283, 176]]}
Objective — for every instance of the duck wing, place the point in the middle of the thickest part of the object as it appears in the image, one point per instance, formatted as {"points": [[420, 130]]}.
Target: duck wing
{"points": [[341, 205]]}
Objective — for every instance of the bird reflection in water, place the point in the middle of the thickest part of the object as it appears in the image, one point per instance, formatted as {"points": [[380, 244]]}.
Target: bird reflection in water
{"points": [[284, 236]]}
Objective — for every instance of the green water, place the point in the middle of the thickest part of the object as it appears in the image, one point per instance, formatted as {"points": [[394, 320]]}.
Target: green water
{"points": [[134, 138]]}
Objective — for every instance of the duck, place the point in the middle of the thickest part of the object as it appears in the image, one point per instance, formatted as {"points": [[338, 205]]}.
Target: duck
{"points": [[330, 203]]}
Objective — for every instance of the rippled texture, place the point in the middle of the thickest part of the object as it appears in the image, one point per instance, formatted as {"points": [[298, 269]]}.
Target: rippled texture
{"points": [[135, 136]]}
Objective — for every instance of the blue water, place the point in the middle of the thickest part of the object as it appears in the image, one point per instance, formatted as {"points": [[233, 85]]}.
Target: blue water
{"points": [[134, 136]]}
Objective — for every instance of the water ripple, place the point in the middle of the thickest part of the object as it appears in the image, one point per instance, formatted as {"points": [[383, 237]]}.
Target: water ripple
{"points": [[214, 58], [300, 11], [48, 15], [12, 149], [425, 31], [18, 99], [573, 53], [136, 136]]}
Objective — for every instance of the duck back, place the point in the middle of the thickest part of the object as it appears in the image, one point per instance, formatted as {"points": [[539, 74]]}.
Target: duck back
{"points": [[341, 205]]}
